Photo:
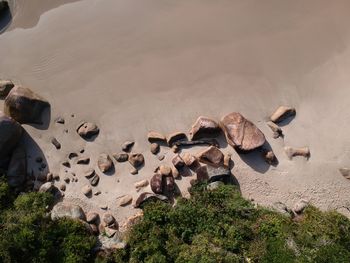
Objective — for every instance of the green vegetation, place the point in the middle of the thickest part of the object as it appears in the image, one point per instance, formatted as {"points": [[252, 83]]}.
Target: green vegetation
{"points": [[220, 226], [27, 234], [213, 226]]}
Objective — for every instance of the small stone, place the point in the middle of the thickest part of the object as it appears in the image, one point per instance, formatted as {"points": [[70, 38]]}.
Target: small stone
{"points": [[134, 171], [136, 159], [108, 219], [72, 155], [300, 206], [165, 170], [49, 177], [140, 184], [82, 150], [127, 146], [5, 85], [56, 143], [60, 120], [126, 200], [270, 157], [345, 172], [94, 180], [189, 159], [121, 157], [104, 163], [66, 179], [277, 131], [98, 192], [86, 190], [83, 160], [155, 148], [212, 156], [104, 207], [175, 173], [155, 137], [282, 113], [161, 157], [87, 130], [175, 148], [66, 164], [178, 162], [92, 217], [89, 173], [63, 187], [56, 177], [65, 130], [175, 137], [39, 159]]}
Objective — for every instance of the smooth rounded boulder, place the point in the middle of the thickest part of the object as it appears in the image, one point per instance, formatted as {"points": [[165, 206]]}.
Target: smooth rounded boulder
{"points": [[69, 210], [25, 106], [17, 169], [241, 133], [10, 134]]}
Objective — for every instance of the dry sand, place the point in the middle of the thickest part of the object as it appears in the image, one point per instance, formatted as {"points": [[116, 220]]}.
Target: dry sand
{"points": [[133, 66]]}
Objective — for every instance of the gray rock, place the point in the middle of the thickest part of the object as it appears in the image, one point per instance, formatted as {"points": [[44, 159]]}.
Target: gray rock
{"points": [[214, 185], [108, 219], [87, 130], [104, 163], [67, 210], [10, 134], [25, 106], [17, 169], [46, 187]]}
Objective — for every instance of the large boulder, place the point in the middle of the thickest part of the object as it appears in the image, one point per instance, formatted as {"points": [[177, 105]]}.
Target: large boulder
{"points": [[17, 169], [147, 197], [241, 133], [204, 127], [10, 134], [211, 156], [25, 106], [69, 210]]}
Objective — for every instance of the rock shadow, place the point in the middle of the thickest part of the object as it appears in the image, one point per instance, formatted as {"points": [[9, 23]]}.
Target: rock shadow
{"points": [[45, 120], [286, 121]]}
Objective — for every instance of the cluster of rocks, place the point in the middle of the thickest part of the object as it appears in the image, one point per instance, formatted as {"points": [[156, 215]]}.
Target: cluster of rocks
{"points": [[281, 114], [22, 106]]}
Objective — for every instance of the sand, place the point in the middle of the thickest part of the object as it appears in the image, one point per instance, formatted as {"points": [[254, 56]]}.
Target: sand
{"points": [[133, 66]]}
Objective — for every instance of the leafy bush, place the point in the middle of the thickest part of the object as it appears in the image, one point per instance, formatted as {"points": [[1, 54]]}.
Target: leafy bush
{"points": [[221, 226]]}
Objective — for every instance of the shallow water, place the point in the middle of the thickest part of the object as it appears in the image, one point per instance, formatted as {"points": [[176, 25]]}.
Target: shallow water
{"points": [[134, 65]]}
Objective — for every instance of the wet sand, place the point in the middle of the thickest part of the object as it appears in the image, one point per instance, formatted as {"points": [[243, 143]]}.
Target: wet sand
{"points": [[133, 66]]}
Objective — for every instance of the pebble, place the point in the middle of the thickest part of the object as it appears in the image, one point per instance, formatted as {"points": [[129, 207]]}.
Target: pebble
{"points": [[63, 187], [127, 146], [56, 143], [155, 148], [121, 157], [126, 200], [83, 160], [66, 164], [161, 157], [134, 171], [86, 190]]}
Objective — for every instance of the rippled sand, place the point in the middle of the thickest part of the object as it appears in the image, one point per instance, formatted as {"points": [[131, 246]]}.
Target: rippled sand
{"points": [[131, 66]]}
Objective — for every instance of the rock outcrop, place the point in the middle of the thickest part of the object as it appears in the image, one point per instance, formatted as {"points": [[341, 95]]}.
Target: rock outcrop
{"points": [[241, 133], [25, 106], [68, 210]]}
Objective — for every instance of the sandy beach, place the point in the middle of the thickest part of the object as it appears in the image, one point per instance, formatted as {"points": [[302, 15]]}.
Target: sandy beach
{"points": [[133, 66]]}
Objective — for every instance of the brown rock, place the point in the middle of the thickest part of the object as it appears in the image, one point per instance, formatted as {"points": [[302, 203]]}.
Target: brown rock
{"points": [[104, 163], [108, 219], [126, 200], [202, 173], [134, 171], [5, 86], [66, 164], [175, 148], [269, 157], [277, 131], [204, 127], [89, 173], [94, 180], [155, 148], [161, 157], [282, 113], [169, 184], [345, 172], [83, 160], [25, 106], [72, 155], [157, 183], [92, 217], [63, 187], [87, 130], [56, 143], [212, 156], [227, 160], [140, 184], [165, 170], [174, 137], [86, 190], [189, 160], [136, 159], [175, 173], [10, 134], [127, 146], [178, 162], [17, 169], [49, 177], [240, 133], [46, 187], [155, 137], [121, 157], [94, 229]]}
